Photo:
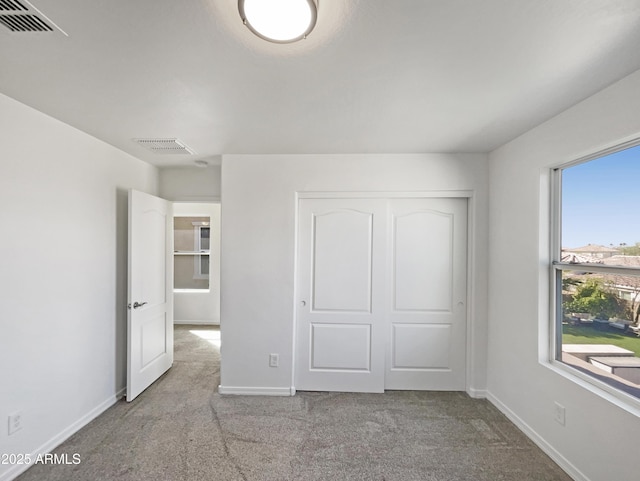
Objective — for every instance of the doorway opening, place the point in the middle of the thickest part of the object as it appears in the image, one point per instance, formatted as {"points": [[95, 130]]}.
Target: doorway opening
{"points": [[153, 304]]}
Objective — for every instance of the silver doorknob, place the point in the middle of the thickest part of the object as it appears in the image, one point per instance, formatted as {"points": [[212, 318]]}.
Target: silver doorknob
{"points": [[138, 304]]}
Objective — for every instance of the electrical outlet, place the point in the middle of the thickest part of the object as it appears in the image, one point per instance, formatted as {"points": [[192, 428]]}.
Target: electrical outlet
{"points": [[274, 360], [15, 422], [559, 413]]}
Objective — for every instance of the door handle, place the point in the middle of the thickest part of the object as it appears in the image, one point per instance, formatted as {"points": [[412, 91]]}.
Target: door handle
{"points": [[137, 304]]}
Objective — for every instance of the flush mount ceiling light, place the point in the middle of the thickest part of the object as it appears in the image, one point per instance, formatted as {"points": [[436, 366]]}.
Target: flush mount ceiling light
{"points": [[279, 21]]}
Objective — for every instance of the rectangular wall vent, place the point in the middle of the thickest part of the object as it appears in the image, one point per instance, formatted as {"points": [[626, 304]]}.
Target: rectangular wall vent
{"points": [[12, 5], [25, 23], [21, 16], [165, 146]]}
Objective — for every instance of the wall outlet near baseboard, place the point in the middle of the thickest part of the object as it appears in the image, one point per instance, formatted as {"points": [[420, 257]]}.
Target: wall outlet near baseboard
{"points": [[274, 360], [15, 422], [559, 415]]}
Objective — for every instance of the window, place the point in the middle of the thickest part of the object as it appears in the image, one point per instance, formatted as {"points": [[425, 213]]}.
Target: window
{"points": [[191, 253], [596, 270]]}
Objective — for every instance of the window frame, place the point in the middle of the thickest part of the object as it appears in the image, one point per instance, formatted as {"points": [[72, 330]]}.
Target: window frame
{"points": [[199, 251], [557, 267]]}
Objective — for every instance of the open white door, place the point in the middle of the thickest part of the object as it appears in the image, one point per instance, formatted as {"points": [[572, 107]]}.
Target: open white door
{"points": [[150, 308]]}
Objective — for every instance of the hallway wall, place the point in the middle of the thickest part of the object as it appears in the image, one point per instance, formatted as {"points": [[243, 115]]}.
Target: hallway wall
{"points": [[190, 183]]}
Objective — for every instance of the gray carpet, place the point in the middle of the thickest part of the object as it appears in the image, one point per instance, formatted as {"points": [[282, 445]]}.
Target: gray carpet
{"points": [[181, 429]]}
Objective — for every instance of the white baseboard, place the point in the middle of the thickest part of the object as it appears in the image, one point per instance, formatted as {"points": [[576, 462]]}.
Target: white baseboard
{"points": [[549, 450], [65, 434], [198, 323], [477, 393], [257, 391]]}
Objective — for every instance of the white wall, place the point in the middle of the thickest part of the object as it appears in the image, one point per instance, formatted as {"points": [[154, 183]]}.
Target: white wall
{"points": [[600, 440], [258, 247], [63, 276], [190, 184], [201, 307]]}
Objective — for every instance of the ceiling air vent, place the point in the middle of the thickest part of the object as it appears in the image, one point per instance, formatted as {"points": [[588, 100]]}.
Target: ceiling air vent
{"points": [[164, 146], [25, 23], [12, 5], [21, 16]]}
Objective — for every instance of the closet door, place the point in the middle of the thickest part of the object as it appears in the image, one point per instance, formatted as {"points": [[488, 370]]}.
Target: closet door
{"points": [[341, 327], [426, 294]]}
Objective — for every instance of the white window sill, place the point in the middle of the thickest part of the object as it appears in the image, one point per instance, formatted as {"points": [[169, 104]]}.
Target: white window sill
{"points": [[621, 399]]}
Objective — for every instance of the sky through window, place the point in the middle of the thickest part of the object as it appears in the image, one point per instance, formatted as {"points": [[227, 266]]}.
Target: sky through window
{"points": [[601, 200]]}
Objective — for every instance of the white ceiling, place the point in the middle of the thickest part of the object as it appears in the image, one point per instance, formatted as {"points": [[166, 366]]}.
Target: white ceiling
{"points": [[374, 76]]}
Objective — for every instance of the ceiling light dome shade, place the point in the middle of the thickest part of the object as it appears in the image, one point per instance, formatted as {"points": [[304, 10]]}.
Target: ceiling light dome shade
{"points": [[280, 21]]}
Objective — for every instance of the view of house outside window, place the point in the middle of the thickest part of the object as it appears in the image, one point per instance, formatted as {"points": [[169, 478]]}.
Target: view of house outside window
{"points": [[597, 273]]}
